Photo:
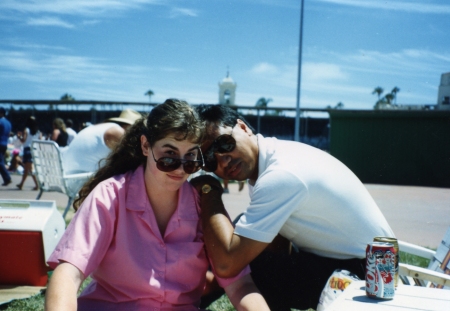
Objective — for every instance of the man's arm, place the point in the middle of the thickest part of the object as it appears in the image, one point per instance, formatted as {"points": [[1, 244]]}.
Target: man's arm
{"points": [[229, 252]]}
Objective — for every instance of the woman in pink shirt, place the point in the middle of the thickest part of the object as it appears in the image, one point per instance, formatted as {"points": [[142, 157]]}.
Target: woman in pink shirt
{"points": [[137, 232]]}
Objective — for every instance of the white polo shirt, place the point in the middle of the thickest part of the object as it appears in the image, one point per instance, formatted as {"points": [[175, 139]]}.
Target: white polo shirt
{"points": [[312, 199]]}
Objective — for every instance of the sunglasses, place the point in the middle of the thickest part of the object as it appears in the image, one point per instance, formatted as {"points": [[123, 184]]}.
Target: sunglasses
{"points": [[167, 164], [222, 144]]}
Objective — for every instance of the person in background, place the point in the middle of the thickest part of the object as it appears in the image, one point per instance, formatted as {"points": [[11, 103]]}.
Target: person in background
{"points": [[138, 230], [93, 143], [241, 184], [70, 131], [59, 133], [225, 186], [5, 129], [30, 133], [300, 196], [16, 165]]}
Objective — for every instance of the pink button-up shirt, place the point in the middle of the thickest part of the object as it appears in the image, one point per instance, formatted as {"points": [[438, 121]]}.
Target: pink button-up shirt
{"points": [[115, 238]]}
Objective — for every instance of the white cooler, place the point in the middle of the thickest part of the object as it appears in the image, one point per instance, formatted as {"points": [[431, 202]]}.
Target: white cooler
{"points": [[29, 232]]}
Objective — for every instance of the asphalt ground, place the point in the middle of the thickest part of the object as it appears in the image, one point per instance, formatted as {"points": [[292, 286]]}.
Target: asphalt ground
{"points": [[419, 215]]}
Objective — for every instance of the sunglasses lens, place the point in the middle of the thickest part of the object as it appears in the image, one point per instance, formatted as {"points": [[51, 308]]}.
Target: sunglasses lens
{"points": [[168, 164], [225, 143], [222, 144], [191, 167], [210, 166]]}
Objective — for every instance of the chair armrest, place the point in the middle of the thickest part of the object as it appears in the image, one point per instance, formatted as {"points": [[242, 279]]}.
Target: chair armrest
{"points": [[79, 175], [424, 274], [416, 250]]}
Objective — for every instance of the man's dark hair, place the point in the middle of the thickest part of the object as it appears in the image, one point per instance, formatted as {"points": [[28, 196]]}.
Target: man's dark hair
{"points": [[2, 111], [69, 123], [220, 115]]}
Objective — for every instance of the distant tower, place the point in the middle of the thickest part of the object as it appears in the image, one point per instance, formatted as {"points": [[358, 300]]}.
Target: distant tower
{"points": [[227, 91], [444, 92]]}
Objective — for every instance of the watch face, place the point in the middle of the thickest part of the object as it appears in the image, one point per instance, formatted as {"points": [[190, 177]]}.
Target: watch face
{"points": [[206, 188]]}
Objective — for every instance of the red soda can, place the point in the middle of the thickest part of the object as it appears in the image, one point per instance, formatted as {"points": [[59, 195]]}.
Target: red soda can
{"points": [[380, 270]]}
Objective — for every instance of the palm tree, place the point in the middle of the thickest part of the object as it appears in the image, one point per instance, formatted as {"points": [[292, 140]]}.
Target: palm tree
{"points": [[388, 98], [378, 90], [149, 94], [67, 97], [394, 92], [263, 102], [339, 105]]}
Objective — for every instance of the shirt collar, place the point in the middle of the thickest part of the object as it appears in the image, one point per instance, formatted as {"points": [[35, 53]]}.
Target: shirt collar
{"points": [[137, 199], [266, 148]]}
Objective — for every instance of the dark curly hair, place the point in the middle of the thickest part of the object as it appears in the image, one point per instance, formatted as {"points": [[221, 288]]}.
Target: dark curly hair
{"points": [[221, 115], [173, 117]]}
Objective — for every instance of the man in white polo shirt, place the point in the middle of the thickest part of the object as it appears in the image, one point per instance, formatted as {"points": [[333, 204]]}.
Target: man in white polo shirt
{"points": [[93, 143], [299, 194]]}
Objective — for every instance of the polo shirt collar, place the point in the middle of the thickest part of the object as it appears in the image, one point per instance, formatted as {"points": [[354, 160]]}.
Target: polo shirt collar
{"points": [[267, 148]]}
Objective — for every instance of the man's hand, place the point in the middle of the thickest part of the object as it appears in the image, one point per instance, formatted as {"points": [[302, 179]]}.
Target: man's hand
{"points": [[200, 181], [230, 253]]}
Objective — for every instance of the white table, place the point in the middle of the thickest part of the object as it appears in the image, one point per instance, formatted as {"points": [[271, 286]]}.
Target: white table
{"points": [[406, 298]]}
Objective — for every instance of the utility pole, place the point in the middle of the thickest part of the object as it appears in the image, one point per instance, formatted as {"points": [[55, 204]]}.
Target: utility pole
{"points": [[299, 76]]}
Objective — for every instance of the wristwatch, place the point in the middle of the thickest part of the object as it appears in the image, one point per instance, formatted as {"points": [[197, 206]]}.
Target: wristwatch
{"points": [[206, 188]]}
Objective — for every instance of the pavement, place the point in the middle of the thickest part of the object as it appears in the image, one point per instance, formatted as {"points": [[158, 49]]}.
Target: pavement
{"points": [[419, 215]]}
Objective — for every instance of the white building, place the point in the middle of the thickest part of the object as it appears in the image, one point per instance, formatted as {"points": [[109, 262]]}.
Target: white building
{"points": [[227, 91], [443, 101]]}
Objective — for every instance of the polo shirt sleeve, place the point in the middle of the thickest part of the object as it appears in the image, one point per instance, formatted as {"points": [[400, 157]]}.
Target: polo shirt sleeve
{"points": [[275, 196], [90, 232]]}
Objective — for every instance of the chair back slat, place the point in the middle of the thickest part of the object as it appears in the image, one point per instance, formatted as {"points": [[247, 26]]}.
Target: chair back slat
{"points": [[441, 260], [438, 270], [48, 166], [50, 172]]}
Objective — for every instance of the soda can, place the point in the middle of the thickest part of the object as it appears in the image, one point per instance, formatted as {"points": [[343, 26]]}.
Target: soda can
{"points": [[394, 241], [380, 270]]}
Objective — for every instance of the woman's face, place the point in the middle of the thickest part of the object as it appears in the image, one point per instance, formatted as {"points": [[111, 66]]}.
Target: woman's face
{"points": [[171, 148]]}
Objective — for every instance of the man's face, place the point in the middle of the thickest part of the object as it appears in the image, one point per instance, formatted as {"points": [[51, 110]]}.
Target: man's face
{"points": [[242, 162]]}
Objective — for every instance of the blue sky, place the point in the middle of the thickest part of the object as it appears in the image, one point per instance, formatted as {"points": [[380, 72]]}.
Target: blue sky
{"points": [[116, 50]]}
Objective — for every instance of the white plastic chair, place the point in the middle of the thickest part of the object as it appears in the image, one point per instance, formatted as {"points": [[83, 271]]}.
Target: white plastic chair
{"points": [[438, 272], [50, 173]]}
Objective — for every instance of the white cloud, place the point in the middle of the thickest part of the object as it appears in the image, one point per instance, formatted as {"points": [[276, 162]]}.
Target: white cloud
{"points": [[287, 75], [72, 7], [32, 46], [91, 22], [49, 21], [45, 68], [322, 71], [406, 6], [171, 69], [264, 68], [408, 61], [176, 12]]}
